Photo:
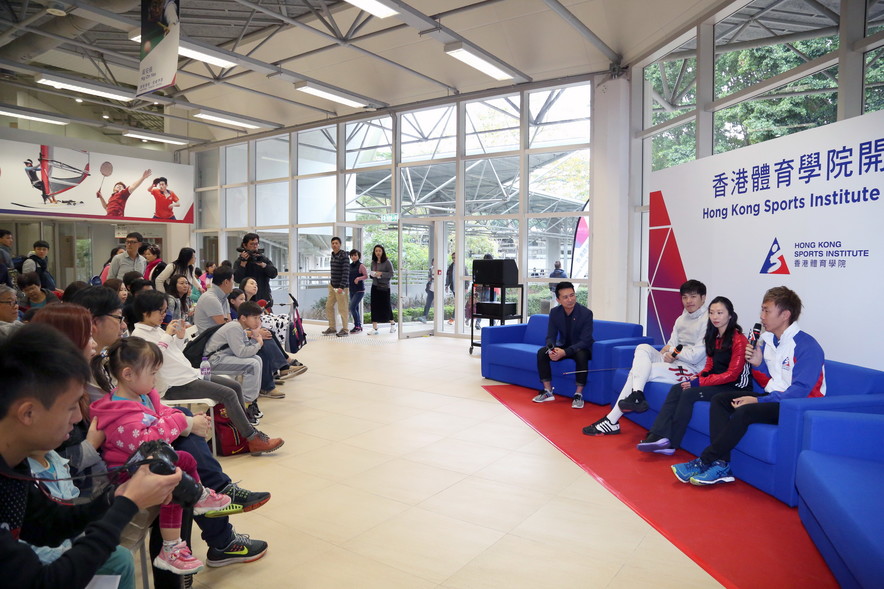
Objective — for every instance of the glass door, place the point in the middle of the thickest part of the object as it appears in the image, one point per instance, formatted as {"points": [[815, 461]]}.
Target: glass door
{"points": [[420, 278]]}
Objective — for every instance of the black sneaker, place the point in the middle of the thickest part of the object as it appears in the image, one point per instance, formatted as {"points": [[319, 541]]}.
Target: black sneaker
{"points": [[249, 500], [251, 416], [241, 549], [635, 402], [602, 427], [257, 410]]}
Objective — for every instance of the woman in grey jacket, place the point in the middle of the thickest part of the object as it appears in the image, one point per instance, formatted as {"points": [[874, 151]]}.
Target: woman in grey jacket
{"points": [[381, 273]]}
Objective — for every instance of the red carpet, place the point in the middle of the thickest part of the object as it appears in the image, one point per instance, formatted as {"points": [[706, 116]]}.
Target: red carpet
{"points": [[738, 534]]}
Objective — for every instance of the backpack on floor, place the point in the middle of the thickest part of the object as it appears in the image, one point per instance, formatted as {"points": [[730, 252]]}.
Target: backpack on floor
{"points": [[229, 440]]}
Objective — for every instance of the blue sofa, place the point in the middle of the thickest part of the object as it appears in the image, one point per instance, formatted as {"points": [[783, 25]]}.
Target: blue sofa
{"points": [[509, 354], [839, 480], [767, 455]]}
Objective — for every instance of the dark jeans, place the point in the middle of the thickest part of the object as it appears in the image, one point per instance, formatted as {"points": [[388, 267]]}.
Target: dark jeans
{"points": [[672, 422], [356, 297], [728, 425], [581, 357], [272, 359], [430, 297]]}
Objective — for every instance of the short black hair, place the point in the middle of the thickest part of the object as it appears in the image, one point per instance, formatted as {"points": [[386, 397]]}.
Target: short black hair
{"points": [[148, 301], [355, 252], [4, 233], [28, 279], [562, 286], [131, 276], [336, 238], [139, 284], [249, 309], [234, 293], [221, 274], [98, 300], [249, 237], [692, 287], [159, 179], [135, 235], [24, 371], [72, 289], [41, 243]]}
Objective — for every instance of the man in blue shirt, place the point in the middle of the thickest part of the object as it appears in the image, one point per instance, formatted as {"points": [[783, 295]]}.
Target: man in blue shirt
{"points": [[569, 335]]}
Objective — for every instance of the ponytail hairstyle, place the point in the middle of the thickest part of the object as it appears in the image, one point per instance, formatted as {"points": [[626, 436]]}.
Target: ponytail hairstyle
{"points": [[130, 352], [712, 331]]}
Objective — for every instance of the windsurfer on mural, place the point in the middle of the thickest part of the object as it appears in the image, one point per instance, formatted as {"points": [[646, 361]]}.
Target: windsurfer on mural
{"points": [[33, 173], [165, 199], [116, 204]]}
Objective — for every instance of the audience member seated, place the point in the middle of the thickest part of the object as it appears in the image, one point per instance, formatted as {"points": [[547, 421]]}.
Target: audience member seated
{"points": [[725, 370], [129, 316], [788, 364], [35, 297], [38, 405], [177, 379], [9, 316], [569, 335], [680, 360], [178, 295]]}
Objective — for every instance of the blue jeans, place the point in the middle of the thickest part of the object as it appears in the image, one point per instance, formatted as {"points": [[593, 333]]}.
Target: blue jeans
{"points": [[355, 300], [272, 359]]}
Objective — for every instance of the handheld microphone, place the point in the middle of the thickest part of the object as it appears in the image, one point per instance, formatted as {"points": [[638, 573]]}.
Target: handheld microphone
{"points": [[677, 351], [755, 334]]}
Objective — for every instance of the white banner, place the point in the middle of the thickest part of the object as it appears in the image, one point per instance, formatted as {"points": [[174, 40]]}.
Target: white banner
{"points": [[804, 211], [160, 37], [57, 181]]}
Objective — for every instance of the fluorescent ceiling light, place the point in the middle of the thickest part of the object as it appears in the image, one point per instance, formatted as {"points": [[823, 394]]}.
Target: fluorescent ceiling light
{"points": [[30, 115], [185, 49], [84, 87], [201, 55], [328, 94], [150, 137], [236, 121], [463, 53], [378, 8]]}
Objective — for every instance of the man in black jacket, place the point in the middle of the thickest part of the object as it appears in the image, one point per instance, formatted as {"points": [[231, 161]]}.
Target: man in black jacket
{"points": [[338, 290], [39, 403], [252, 263]]}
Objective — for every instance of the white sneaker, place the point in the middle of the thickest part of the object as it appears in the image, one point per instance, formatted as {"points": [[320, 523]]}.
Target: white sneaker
{"points": [[372, 332], [392, 328], [544, 397]]}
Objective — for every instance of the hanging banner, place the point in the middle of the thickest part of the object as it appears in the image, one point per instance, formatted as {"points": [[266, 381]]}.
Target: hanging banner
{"points": [[64, 182], [160, 36], [804, 211]]}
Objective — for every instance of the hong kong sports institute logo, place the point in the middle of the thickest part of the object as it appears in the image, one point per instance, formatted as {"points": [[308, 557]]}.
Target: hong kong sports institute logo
{"points": [[775, 263]]}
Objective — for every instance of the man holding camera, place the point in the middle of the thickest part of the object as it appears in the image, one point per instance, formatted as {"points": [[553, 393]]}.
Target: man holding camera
{"points": [[253, 264], [39, 403]]}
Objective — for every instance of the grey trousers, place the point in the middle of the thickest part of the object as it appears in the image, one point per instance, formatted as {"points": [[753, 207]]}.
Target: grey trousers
{"points": [[248, 368], [222, 389]]}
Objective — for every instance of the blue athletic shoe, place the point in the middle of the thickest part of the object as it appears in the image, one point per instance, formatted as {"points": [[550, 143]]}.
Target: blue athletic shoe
{"points": [[686, 470], [718, 472]]}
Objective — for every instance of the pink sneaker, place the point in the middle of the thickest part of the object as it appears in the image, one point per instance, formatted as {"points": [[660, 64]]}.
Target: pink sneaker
{"points": [[179, 560], [210, 501]]}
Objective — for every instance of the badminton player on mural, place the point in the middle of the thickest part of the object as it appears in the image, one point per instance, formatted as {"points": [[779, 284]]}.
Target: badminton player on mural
{"points": [[116, 204], [165, 199]]}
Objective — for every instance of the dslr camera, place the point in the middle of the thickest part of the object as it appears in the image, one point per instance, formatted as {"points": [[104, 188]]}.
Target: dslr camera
{"points": [[161, 459], [256, 256]]}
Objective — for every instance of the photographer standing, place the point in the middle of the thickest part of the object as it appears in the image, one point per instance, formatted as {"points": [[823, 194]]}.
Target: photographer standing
{"points": [[253, 264]]}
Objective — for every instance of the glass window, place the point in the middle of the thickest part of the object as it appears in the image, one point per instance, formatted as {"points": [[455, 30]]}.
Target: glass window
{"points": [[541, 299], [208, 244], [428, 134], [559, 116], [674, 146], [272, 158], [234, 240], [558, 182], [236, 164], [557, 239], [272, 204], [368, 194], [803, 104], [491, 186], [874, 79], [208, 211], [317, 150], [237, 200], [207, 168], [314, 250], [369, 143], [275, 243], [311, 295], [316, 199], [428, 190], [749, 50], [492, 125], [498, 237], [671, 84]]}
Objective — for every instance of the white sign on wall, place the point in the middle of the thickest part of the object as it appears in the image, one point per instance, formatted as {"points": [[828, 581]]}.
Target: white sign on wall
{"points": [[804, 211]]}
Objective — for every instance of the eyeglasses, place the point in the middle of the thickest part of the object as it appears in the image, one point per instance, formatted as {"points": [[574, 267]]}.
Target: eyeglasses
{"points": [[131, 242], [117, 317], [12, 303]]}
